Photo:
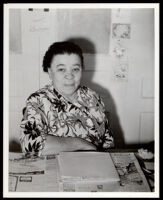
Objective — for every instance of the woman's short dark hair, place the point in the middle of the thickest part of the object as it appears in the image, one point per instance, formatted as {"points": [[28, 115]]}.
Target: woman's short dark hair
{"points": [[61, 48]]}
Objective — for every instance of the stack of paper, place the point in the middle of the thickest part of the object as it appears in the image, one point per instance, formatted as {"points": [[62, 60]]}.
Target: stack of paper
{"points": [[87, 171]]}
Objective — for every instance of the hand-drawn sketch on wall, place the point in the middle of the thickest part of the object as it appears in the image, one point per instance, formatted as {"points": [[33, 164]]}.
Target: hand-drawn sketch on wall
{"points": [[90, 24], [121, 30], [15, 35], [119, 50], [121, 71], [39, 20]]}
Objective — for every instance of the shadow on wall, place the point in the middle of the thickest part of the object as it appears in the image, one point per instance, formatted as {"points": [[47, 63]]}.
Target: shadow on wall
{"points": [[88, 47]]}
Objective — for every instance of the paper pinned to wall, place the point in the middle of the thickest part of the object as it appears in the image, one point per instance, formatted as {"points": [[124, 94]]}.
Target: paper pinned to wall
{"points": [[39, 21], [121, 71], [15, 35], [121, 30]]}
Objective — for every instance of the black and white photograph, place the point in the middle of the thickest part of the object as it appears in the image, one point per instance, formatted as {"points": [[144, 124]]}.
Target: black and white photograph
{"points": [[81, 100]]}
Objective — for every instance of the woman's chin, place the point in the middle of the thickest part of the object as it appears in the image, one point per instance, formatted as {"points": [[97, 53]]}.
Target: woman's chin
{"points": [[69, 91], [70, 94]]}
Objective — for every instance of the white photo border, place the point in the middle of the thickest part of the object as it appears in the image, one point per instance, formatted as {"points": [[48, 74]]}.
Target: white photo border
{"points": [[8, 6]]}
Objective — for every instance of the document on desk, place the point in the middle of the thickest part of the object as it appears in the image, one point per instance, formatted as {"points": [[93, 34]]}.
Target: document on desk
{"points": [[33, 174], [86, 171], [129, 170]]}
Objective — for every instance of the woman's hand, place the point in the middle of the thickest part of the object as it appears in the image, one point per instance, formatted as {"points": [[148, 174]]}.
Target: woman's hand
{"points": [[54, 144]]}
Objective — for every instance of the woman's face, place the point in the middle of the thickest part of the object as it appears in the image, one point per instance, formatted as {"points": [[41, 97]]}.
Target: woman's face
{"points": [[66, 72]]}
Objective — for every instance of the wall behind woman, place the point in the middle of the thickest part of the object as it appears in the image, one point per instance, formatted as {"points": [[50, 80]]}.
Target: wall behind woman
{"points": [[123, 73]]}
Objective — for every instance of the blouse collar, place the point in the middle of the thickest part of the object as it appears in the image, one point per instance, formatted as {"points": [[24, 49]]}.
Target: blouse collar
{"points": [[59, 96]]}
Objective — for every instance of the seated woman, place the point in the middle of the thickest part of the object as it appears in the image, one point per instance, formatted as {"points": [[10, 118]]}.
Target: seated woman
{"points": [[63, 115]]}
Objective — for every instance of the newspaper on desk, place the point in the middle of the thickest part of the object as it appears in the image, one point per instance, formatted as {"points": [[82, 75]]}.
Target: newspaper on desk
{"points": [[32, 174], [28, 175], [21, 170], [131, 175]]}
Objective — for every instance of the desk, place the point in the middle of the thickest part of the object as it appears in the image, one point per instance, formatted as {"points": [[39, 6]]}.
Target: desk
{"points": [[41, 174]]}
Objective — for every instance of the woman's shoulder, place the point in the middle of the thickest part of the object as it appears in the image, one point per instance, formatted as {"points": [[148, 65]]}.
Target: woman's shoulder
{"points": [[39, 93], [89, 91]]}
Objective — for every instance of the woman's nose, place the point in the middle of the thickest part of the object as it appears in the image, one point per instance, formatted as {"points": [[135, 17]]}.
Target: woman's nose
{"points": [[69, 75]]}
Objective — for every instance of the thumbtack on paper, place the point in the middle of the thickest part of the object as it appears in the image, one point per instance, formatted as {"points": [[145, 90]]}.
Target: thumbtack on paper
{"points": [[46, 9]]}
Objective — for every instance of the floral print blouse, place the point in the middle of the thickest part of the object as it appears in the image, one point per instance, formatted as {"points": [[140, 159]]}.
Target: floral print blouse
{"points": [[48, 112]]}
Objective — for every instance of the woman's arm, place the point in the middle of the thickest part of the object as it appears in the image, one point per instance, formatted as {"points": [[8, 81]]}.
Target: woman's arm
{"points": [[54, 144]]}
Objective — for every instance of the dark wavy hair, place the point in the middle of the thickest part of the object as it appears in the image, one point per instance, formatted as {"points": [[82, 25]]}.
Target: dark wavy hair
{"points": [[65, 47]]}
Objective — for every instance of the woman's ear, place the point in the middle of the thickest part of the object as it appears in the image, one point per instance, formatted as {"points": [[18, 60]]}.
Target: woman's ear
{"points": [[50, 73]]}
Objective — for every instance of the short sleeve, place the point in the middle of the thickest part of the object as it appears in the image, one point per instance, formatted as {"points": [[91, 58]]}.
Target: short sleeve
{"points": [[105, 136], [33, 127]]}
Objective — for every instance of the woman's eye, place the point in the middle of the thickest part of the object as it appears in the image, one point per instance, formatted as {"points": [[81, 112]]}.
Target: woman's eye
{"points": [[61, 70], [76, 69]]}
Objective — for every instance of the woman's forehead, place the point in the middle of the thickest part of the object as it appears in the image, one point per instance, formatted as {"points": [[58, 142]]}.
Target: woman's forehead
{"points": [[66, 58]]}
